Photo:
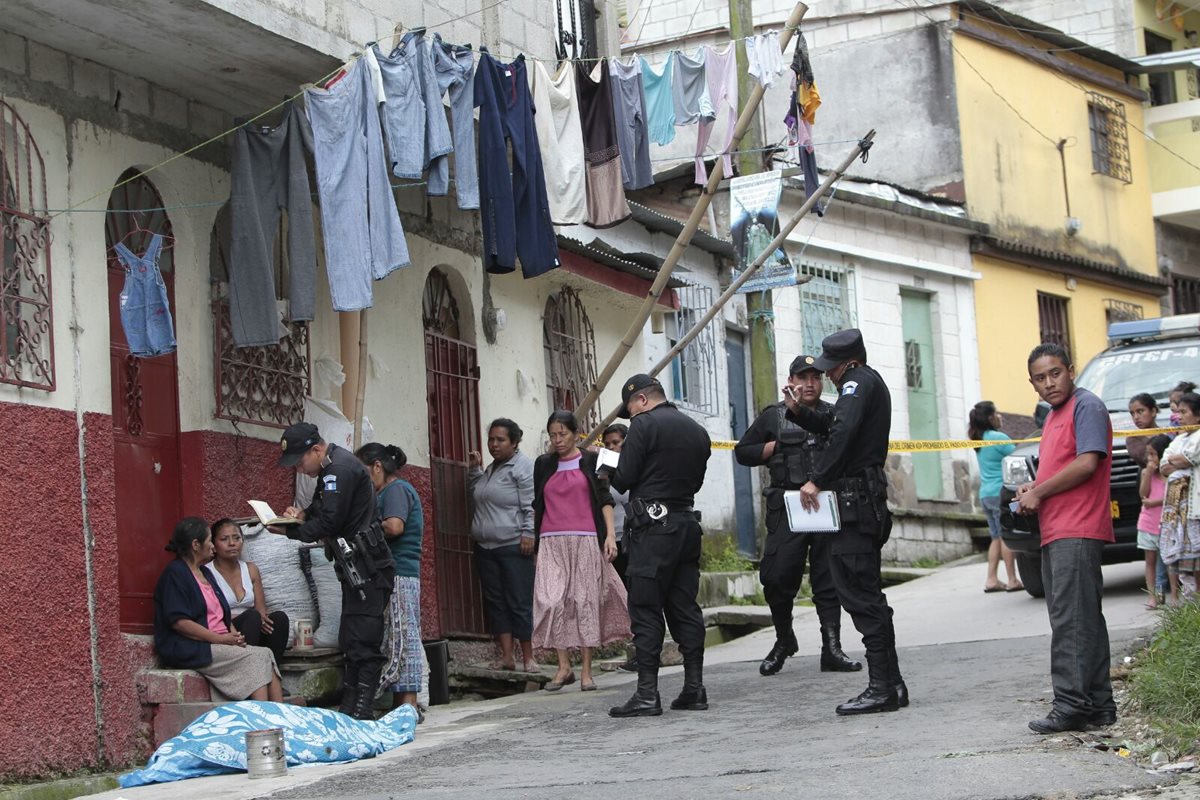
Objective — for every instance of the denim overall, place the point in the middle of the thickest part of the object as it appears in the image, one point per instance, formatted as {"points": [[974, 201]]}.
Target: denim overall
{"points": [[145, 312]]}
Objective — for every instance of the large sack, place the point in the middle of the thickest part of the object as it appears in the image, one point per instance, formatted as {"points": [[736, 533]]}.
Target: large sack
{"points": [[284, 585], [329, 600]]}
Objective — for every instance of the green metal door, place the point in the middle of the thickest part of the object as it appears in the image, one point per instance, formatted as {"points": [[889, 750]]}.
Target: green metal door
{"points": [[919, 371]]}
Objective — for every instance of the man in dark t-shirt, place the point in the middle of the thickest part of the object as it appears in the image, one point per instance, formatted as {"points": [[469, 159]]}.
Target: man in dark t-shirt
{"points": [[1071, 499]]}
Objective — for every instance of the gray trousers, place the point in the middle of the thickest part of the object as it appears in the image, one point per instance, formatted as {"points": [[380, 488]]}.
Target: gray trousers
{"points": [[1079, 654]]}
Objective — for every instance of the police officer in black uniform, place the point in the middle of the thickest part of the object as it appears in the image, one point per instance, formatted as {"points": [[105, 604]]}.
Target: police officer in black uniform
{"points": [[790, 453], [662, 467], [342, 515], [852, 465]]}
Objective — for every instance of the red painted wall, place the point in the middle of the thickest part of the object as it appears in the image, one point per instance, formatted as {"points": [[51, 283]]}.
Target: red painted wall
{"points": [[222, 471], [431, 625]]}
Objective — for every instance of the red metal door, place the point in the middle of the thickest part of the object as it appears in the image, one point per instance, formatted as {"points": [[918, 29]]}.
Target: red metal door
{"points": [[452, 378], [145, 414]]}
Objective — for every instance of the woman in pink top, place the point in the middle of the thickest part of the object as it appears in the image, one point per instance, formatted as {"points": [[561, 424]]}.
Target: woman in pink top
{"points": [[1152, 489], [578, 599]]}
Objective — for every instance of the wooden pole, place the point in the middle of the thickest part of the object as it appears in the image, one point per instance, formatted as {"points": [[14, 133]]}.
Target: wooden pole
{"points": [[360, 396], [689, 229], [728, 294]]}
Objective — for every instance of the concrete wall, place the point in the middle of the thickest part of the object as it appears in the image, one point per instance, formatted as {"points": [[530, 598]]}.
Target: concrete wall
{"points": [[1106, 24]]}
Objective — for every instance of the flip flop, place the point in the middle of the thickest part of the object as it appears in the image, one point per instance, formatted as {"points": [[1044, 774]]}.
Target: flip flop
{"points": [[1015, 588], [588, 686], [992, 589], [554, 686]]}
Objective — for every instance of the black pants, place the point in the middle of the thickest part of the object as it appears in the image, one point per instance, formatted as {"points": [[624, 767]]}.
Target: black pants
{"points": [[361, 633], [782, 569], [664, 578], [621, 563], [855, 564], [250, 625], [1079, 654], [506, 577]]}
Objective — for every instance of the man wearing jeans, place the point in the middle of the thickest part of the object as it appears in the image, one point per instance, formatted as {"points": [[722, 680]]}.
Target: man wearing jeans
{"points": [[1071, 499]]}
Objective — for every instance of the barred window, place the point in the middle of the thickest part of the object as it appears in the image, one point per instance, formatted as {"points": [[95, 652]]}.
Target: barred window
{"points": [[1121, 311], [826, 306], [1054, 320], [694, 371], [1110, 137], [265, 385], [576, 30], [27, 324], [569, 342]]}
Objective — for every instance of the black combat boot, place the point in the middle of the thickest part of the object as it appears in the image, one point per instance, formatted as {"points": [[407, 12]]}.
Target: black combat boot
{"points": [[349, 690], [880, 695], [693, 697], [833, 659], [368, 685], [784, 647], [645, 702], [896, 679]]}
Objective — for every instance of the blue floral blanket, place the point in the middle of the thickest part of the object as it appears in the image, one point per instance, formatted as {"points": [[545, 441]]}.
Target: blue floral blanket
{"points": [[215, 742]]}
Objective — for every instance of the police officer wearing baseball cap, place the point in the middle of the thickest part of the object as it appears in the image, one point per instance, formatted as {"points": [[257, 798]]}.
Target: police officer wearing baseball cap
{"points": [[790, 454], [343, 510], [852, 466], [662, 466]]}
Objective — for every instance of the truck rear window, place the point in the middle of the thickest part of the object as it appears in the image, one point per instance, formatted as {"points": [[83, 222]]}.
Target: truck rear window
{"points": [[1117, 376]]}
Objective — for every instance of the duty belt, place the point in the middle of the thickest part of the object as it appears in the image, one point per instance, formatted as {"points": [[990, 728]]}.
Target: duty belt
{"points": [[656, 510]]}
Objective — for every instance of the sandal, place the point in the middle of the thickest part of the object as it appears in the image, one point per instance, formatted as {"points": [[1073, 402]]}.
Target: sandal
{"points": [[531, 666], [1020, 587], [997, 588], [587, 686], [554, 686]]}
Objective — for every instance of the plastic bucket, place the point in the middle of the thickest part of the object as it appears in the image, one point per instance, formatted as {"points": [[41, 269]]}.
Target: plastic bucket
{"points": [[437, 653], [265, 757]]}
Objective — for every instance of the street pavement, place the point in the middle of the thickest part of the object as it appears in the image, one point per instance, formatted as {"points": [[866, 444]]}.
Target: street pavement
{"points": [[977, 667]]}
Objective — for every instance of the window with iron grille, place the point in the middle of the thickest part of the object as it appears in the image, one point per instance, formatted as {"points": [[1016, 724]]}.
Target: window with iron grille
{"points": [[1162, 84], [569, 342], [694, 371], [1110, 137], [265, 385], [826, 306], [1052, 320], [1185, 295], [1121, 311], [575, 30], [27, 323]]}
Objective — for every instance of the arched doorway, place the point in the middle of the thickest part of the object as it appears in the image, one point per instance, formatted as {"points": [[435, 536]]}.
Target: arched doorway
{"points": [[452, 382], [145, 410]]}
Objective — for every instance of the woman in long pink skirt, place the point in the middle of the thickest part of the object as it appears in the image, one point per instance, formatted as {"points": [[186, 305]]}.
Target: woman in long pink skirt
{"points": [[578, 598]]}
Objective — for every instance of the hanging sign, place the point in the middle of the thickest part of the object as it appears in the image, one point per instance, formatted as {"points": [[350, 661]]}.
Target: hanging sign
{"points": [[754, 208]]}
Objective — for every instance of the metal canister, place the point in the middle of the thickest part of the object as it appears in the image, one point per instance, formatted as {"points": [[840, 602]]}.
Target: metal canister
{"points": [[265, 755], [304, 635]]}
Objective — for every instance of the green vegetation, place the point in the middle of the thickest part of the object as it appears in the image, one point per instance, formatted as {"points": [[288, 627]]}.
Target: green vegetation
{"points": [[756, 599], [1165, 682], [926, 563], [719, 554]]}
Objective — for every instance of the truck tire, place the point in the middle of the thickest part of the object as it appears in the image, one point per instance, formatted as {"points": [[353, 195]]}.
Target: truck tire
{"points": [[1029, 565]]}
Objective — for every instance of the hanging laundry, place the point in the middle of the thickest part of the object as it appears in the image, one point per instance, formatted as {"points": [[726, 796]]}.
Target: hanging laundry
{"points": [[515, 212], [660, 101], [690, 89], [360, 225], [418, 134], [764, 58], [560, 139], [801, 142], [145, 310], [606, 203], [801, 63], [722, 80], [268, 175], [629, 108], [454, 66], [810, 101]]}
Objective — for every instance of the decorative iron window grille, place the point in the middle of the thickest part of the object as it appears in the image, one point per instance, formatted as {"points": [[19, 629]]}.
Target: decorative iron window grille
{"points": [[1110, 137], [569, 342], [694, 371], [27, 319], [575, 30], [912, 364], [1185, 293], [1052, 320], [439, 311], [826, 306], [1121, 311], [267, 384]]}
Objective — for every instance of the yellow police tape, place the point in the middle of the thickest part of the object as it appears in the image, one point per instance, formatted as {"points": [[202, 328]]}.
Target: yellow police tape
{"points": [[934, 445]]}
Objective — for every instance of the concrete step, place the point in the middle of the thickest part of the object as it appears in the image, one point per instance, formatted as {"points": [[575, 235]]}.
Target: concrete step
{"points": [[481, 679]]}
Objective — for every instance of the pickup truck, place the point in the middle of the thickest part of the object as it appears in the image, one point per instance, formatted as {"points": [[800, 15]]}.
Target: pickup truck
{"points": [[1143, 356]]}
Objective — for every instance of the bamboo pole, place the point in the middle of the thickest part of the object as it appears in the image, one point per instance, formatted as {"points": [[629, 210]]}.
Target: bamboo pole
{"points": [[360, 396], [767, 252], [689, 229]]}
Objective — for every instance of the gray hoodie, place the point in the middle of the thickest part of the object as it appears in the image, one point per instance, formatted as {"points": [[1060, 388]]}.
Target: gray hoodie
{"points": [[503, 495]]}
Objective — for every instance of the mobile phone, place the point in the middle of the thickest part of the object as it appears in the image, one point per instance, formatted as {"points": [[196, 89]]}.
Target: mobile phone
{"points": [[789, 391]]}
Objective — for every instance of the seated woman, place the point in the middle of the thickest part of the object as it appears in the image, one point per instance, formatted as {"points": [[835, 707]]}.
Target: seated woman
{"points": [[241, 584], [192, 624]]}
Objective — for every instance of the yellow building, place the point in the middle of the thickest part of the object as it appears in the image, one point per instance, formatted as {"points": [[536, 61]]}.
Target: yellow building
{"points": [[1053, 161]]}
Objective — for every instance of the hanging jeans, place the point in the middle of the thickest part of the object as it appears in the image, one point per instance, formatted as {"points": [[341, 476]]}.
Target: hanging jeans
{"points": [[145, 310], [403, 115], [359, 221], [515, 212], [454, 67], [267, 175], [629, 107], [425, 128]]}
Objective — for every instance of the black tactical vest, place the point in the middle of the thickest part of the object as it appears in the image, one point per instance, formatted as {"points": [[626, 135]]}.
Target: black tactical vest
{"points": [[796, 453]]}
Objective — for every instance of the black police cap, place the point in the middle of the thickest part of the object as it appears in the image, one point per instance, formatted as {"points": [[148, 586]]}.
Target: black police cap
{"points": [[637, 383], [803, 364], [297, 440], [838, 348]]}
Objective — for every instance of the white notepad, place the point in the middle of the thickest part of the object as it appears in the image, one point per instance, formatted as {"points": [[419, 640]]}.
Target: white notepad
{"points": [[607, 458], [824, 520]]}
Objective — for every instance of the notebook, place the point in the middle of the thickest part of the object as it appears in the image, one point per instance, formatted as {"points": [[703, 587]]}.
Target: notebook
{"points": [[824, 520]]}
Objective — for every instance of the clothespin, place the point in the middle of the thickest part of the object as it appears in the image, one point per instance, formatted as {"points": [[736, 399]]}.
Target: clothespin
{"points": [[397, 35]]}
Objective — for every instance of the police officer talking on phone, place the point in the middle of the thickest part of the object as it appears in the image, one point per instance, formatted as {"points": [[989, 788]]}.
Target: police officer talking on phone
{"points": [[852, 466], [790, 454], [342, 515], [662, 466]]}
